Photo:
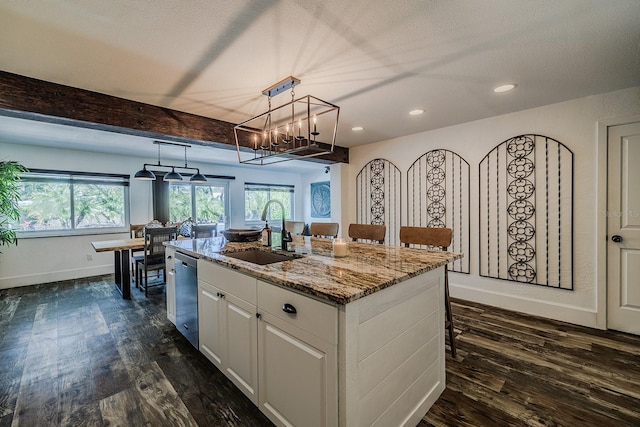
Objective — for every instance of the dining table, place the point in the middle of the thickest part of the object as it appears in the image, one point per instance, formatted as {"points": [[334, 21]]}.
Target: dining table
{"points": [[121, 249]]}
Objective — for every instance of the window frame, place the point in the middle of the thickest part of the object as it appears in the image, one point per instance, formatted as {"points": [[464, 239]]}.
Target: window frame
{"points": [[72, 178], [210, 183], [253, 186]]}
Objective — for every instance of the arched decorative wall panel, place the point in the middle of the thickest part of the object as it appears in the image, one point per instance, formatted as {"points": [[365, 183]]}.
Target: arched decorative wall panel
{"points": [[378, 197], [526, 212], [438, 196]]}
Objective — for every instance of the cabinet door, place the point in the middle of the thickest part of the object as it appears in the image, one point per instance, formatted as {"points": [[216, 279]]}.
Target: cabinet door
{"points": [[241, 345], [171, 294], [211, 323], [298, 375], [171, 285]]}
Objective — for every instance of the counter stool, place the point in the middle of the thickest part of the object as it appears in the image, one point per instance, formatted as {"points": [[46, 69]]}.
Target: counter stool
{"points": [[199, 231], [294, 227], [324, 229], [367, 232], [441, 238]]}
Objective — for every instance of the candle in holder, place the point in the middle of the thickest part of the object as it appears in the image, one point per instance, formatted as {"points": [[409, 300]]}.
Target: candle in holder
{"points": [[340, 248]]}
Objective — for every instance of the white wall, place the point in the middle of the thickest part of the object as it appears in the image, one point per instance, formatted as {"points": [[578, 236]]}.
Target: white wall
{"points": [[338, 191], [40, 260], [575, 124]]}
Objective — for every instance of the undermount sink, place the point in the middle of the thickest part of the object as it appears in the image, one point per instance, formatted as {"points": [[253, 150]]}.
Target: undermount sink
{"points": [[260, 257]]}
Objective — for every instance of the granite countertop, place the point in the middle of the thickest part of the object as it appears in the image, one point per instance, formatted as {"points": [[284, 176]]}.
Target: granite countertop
{"points": [[368, 268]]}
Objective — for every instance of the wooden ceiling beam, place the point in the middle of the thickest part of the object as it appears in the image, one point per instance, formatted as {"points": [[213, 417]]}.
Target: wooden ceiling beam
{"points": [[34, 99]]}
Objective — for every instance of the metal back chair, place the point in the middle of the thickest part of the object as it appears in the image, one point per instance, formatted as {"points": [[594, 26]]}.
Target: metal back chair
{"points": [[324, 229], [437, 238], [154, 250], [199, 231], [367, 232]]}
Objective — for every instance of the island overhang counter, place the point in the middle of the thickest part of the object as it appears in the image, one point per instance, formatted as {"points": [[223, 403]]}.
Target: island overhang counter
{"points": [[370, 352]]}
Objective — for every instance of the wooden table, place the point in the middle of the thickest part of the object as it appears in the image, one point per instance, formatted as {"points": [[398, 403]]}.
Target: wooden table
{"points": [[120, 248]]}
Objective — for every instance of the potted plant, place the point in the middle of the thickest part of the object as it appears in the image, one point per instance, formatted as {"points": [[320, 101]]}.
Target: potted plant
{"points": [[9, 196]]}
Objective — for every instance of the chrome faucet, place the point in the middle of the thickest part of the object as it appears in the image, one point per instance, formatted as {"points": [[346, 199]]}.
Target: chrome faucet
{"points": [[285, 236]]}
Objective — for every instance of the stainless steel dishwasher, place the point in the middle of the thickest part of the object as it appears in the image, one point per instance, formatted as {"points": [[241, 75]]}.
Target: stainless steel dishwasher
{"points": [[187, 297]]}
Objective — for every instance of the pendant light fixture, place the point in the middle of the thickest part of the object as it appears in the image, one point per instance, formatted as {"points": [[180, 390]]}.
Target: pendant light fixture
{"points": [[303, 127], [173, 176]]}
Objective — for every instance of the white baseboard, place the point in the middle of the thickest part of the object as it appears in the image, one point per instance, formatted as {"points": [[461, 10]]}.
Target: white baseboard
{"points": [[547, 309], [54, 276]]}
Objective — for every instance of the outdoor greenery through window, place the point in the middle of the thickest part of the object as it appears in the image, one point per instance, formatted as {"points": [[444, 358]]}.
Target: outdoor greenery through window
{"points": [[256, 197], [60, 203], [204, 203]]}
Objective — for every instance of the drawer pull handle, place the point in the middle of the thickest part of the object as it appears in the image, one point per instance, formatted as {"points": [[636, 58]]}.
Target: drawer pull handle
{"points": [[288, 308]]}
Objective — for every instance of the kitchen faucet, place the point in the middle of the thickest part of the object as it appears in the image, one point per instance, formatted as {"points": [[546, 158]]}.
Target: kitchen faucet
{"points": [[285, 236]]}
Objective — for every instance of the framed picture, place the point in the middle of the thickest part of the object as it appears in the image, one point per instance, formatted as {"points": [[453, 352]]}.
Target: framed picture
{"points": [[321, 199]]}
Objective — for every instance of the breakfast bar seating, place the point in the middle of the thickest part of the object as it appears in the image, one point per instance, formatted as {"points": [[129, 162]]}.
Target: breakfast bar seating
{"points": [[199, 231], [440, 238], [368, 232], [324, 229]]}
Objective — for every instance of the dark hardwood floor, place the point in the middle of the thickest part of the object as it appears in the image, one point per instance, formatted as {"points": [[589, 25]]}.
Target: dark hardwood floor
{"points": [[74, 353]]}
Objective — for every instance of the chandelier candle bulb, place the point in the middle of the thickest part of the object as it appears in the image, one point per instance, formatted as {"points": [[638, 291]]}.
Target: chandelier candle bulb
{"points": [[340, 248]]}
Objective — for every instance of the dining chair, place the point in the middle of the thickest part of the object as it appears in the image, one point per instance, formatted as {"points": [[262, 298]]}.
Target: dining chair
{"points": [[136, 256], [199, 231], [436, 238], [135, 231], [154, 250], [324, 229], [367, 232], [294, 227]]}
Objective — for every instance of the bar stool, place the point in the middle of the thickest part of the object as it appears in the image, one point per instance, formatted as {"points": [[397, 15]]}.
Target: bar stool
{"points": [[324, 229], [294, 227], [367, 232], [199, 231], [437, 237]]}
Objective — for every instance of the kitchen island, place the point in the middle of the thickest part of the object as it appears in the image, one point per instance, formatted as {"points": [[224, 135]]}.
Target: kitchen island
{"points": [[318, 340]]}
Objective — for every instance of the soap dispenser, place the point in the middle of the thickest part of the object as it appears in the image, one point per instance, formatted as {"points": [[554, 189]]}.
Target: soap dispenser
{"points": [[266, 235]]}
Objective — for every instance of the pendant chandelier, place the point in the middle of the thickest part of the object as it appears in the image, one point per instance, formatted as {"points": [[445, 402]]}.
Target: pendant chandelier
{"points": [[304, 127], [173, 176]]}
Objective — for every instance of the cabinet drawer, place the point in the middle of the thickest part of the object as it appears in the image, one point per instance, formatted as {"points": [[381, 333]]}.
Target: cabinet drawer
{"points": [[228, 280], [313, 316]]}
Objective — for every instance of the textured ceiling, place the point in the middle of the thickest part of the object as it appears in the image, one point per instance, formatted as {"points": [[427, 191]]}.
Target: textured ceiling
{"points": [[376, 59]]}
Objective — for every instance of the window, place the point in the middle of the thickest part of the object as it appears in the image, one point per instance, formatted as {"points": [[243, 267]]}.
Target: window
{"points": [[256, 197], [57, 203], [204, 203]]}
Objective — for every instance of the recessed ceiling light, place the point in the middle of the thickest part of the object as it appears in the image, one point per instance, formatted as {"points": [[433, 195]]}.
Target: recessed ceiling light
{"points": [[357, 128], [416, 112], [504, 88]]}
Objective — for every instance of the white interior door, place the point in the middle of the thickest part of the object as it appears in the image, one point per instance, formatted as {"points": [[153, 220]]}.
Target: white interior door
{"points": [[623, 228]]}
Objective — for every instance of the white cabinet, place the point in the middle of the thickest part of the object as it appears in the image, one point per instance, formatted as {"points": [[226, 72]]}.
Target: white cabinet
{"points": [[297, 352], [228, 326], [170, 288], [210, 307], [285, 362], [374, 362]]}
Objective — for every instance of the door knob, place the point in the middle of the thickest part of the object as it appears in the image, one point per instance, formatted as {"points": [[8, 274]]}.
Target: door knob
{"points": [[616, 238]]}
